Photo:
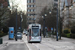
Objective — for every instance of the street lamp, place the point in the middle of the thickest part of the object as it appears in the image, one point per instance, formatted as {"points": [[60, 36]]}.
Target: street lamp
{"points": [[21, 19], [45, 14], [42, 16], [50, 12], [44, 24], [57, 26], [16, 25]]}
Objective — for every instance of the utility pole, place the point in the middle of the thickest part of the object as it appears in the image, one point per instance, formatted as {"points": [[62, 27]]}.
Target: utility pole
{"points": [[44, 26], [21, 22], [57, 26], [60, 25], [16, 26]]}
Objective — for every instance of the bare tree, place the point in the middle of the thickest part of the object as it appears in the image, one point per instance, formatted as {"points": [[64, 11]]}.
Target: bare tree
{"points": [[50, 19], [4, 13]]}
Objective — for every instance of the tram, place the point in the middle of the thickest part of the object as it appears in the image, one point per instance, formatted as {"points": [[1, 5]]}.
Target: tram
{"points": [[34, 33]]}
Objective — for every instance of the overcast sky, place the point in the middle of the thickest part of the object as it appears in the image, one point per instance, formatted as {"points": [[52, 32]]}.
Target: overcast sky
{"points": [[22, 4]]}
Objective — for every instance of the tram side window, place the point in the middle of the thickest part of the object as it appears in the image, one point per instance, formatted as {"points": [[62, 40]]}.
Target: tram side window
{"points": [[29, 32], [40, 32]]}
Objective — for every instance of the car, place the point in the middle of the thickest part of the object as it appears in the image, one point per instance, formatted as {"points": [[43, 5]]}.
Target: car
{"points": [[19, 35], [26, 33], [18, 30]]}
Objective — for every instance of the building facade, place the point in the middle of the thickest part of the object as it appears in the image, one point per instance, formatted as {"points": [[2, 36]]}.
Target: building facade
{"points": [[30, 11], [34, 8]]}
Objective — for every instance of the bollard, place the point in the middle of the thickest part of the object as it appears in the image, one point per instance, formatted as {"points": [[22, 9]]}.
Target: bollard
{"points": [[1, 41]]}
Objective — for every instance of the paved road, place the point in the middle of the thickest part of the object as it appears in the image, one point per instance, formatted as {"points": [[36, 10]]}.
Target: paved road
{"points": [[46, 44], [12, 44], [51, 44]]}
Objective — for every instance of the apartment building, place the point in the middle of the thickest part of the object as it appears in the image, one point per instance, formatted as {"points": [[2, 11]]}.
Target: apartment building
{"points": [[34, 8], [30, 10]]}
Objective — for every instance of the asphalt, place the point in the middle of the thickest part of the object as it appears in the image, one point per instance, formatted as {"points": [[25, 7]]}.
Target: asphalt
{"points": [[12, 44], [52, 44], [46, 44]]}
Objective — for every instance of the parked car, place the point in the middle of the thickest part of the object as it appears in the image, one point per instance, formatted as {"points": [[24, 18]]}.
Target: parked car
{"points": [[19, 35], [18, 30], [25, 32]]}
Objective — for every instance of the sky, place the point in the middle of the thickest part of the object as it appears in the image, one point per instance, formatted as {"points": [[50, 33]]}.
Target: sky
{"points": [[21, 5]]}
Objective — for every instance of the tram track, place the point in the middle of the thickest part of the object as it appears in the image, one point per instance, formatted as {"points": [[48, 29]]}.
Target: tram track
{"points": [[42, 44], [35, 46]]}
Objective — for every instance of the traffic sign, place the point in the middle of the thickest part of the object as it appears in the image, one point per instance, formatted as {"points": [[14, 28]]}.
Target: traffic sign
{"points": [[51, 28]]}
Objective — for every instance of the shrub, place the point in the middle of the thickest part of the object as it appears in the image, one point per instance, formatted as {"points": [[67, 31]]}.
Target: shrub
{"points": [[73, 30], [1, 34], [73, 35], [68, 35], [66, 31], [5, 29]]}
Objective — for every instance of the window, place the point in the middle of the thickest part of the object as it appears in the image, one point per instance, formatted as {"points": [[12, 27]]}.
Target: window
{"points": [[32, 6], [55, 4], [55, 0], [28, 10], [74, 0], [28, 5], [28, 14], [34, 1], [32, 10], [31, 14], [29, 18], [31, 1], [28, 1]]}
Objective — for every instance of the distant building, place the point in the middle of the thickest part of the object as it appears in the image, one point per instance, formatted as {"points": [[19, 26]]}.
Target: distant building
{"points": [[34, 8]]}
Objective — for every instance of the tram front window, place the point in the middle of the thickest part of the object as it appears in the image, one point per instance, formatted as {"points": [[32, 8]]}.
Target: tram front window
{"points": [[35, 32]]}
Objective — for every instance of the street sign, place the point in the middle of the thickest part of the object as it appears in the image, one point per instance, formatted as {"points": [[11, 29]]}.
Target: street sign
{"points": [[45, 27], [19, 27], [51, 28]]}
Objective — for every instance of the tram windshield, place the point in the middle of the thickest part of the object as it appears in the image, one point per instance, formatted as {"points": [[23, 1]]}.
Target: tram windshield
{"points": [[35, 32]]}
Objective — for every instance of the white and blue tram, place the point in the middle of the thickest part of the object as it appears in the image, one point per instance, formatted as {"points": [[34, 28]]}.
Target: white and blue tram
{"points": [[34, 33]]}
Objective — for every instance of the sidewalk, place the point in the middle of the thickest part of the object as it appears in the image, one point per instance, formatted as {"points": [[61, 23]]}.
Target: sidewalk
{"points": [[6, 42]]}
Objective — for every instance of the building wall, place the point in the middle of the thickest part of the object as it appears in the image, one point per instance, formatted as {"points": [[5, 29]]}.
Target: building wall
{"points": [[39, 5]]}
